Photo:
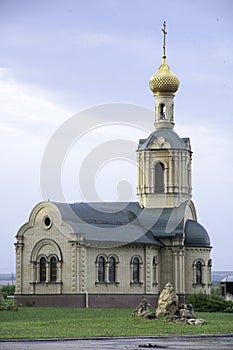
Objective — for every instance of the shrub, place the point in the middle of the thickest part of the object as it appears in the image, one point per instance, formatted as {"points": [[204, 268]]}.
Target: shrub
{"points": [[206, 303], [215, 291], [7, 290], [8, 305]]}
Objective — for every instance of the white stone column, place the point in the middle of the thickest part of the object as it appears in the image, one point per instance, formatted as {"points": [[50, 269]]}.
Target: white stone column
{"points": [[37, 271], [116, 272], [59, 265], [170, 175], [166, 179], [179, 172], [175, 271], [152, 179], [139, 173], [131, 273], [204, 275], [141, 275], [47, 272], [147, 173], [194, 274], [96, 272], [175, 171], [182, 273], [183, 171], [143, 183], [107, 272], [190, 178]]}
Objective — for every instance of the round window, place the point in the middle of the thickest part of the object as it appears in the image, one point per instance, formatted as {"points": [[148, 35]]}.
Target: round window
{"points": [[47, 222]]}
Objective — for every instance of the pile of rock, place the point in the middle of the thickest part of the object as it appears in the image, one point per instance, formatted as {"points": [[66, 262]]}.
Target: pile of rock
{"points": [[143, 310], [168, 306], [185, 314]]}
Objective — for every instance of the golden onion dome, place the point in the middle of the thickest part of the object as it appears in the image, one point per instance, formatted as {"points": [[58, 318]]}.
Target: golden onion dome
{"points": [[164, 80]]}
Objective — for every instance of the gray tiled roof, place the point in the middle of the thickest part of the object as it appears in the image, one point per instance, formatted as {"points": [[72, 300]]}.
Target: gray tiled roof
{"points": [[169, 135], [123, 222], [196, 235]]}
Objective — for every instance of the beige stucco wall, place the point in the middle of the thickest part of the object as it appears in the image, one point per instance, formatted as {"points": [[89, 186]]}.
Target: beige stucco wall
{"points": [[77, 271], [124, 273], [30, 235], [191, 256]]}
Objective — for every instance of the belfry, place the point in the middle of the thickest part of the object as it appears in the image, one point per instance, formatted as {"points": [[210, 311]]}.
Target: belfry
{"points": [[164, 159]]}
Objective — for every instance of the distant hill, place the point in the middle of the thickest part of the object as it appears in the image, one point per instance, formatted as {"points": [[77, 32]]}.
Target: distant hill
{"points": [[7, 278]]}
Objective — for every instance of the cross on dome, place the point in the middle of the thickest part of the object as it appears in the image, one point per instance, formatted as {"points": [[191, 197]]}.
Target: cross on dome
{"points": [[164, 80], [164, 39]]}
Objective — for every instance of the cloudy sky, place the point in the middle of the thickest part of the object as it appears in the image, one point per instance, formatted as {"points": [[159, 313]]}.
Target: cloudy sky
{"points": [[61, 57]]}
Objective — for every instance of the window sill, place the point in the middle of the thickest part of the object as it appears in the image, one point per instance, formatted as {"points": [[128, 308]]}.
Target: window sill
{"points": [[199, 285], [136, 284], [46, 283], [107, 283]]}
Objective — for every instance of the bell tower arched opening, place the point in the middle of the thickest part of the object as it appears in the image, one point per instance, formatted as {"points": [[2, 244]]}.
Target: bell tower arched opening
{"points": [[159, 178], [162, 111]]}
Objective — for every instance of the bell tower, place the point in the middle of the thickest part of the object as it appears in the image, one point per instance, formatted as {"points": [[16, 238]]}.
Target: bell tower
{"points": [[164, 83], [164, 159]]}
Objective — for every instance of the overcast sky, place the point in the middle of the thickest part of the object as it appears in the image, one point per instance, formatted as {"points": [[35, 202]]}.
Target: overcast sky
{"points": [[58, 58]]}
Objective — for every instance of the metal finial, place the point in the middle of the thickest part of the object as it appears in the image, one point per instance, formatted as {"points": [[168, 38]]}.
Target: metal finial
{"points": [[164, 39]]}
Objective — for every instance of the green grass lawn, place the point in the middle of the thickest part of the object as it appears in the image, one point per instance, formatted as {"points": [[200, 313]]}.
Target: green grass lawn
{"points": [[41, 322]]}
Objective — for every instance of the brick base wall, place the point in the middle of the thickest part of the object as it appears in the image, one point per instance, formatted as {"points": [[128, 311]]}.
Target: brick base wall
{"points": [[79, 300], [94, 300]]}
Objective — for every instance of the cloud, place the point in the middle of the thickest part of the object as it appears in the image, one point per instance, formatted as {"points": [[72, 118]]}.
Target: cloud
{"points": [[26, 108]]}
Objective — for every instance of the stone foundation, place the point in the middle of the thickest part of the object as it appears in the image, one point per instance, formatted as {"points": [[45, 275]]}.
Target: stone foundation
{"points": [[83, 300]]}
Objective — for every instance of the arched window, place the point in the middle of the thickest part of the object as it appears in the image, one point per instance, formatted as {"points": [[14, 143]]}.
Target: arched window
{"points": [[198, 272], [159, 178], [42, 270], [136, 267], [53, 269], [162, 111], [112, 270], [46, 268], [101, 270]]}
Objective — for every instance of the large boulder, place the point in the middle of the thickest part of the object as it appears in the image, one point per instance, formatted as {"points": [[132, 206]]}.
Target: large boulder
{"points": [[168, 301]]}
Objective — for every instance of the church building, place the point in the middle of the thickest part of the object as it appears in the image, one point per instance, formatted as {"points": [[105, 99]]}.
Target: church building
{"points": [[111, 254]]}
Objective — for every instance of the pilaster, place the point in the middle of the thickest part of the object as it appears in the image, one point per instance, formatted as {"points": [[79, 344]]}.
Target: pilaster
{"points": [[83, 286], [148, 274], [73, 267], [19, 266]]}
